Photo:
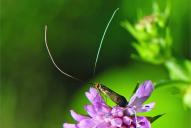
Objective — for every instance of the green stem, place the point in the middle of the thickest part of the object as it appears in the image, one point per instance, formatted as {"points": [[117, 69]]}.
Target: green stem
{"points": [[171, 82]]}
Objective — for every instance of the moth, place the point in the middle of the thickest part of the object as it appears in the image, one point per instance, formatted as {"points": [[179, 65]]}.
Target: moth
{"points": [[114, 96]]}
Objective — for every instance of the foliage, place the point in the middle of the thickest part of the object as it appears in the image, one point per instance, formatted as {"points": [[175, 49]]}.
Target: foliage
{"points": [[154, 45]]}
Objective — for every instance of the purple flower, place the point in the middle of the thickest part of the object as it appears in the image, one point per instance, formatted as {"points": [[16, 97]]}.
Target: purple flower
{"points": [[100, 115], [140, 96]]}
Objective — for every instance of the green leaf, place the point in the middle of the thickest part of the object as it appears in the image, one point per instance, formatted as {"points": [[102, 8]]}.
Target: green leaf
{"points": [[129, 27], [135, 89], [179, 69], [152, 119]]}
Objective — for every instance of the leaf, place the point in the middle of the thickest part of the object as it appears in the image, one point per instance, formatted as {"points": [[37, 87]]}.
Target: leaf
{"points": [[130, 28], [179, 69], [136, 87], [152, 119]]}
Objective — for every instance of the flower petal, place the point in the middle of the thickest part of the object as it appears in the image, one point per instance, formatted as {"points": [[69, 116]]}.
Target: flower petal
{"points": [[116, 122], [90, 110], [117, 111], [142, 94], [86, 123], [78, 117], [102, 109], [146, 107], [143, 122], [103, 125], [97, 109], [66, 125], [127, 120], [94, 96]]}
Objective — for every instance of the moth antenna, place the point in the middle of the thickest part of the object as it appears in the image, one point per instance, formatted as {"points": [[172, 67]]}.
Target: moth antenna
{"points": [[68, 75], [101, 42]]}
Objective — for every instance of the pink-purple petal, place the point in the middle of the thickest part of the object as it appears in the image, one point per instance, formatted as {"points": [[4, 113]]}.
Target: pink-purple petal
{"points": [[142, 94], [143, 122], [146, 107], [117, 111], [127, 120], [86, 123], [90, 110], [116, 122], [94, 96], [78, 117], [66, 125], [103, 125], [102, 109]]}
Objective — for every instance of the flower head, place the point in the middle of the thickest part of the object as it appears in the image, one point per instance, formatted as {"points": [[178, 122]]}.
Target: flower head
{"points": [[100, 115]]}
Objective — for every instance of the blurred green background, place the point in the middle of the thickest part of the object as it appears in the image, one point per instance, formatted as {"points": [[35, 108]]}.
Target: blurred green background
{"points": [[35, 95]]}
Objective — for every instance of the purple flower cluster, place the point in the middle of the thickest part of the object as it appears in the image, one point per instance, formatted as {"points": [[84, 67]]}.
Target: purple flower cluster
{"points": [[100, 115]]}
